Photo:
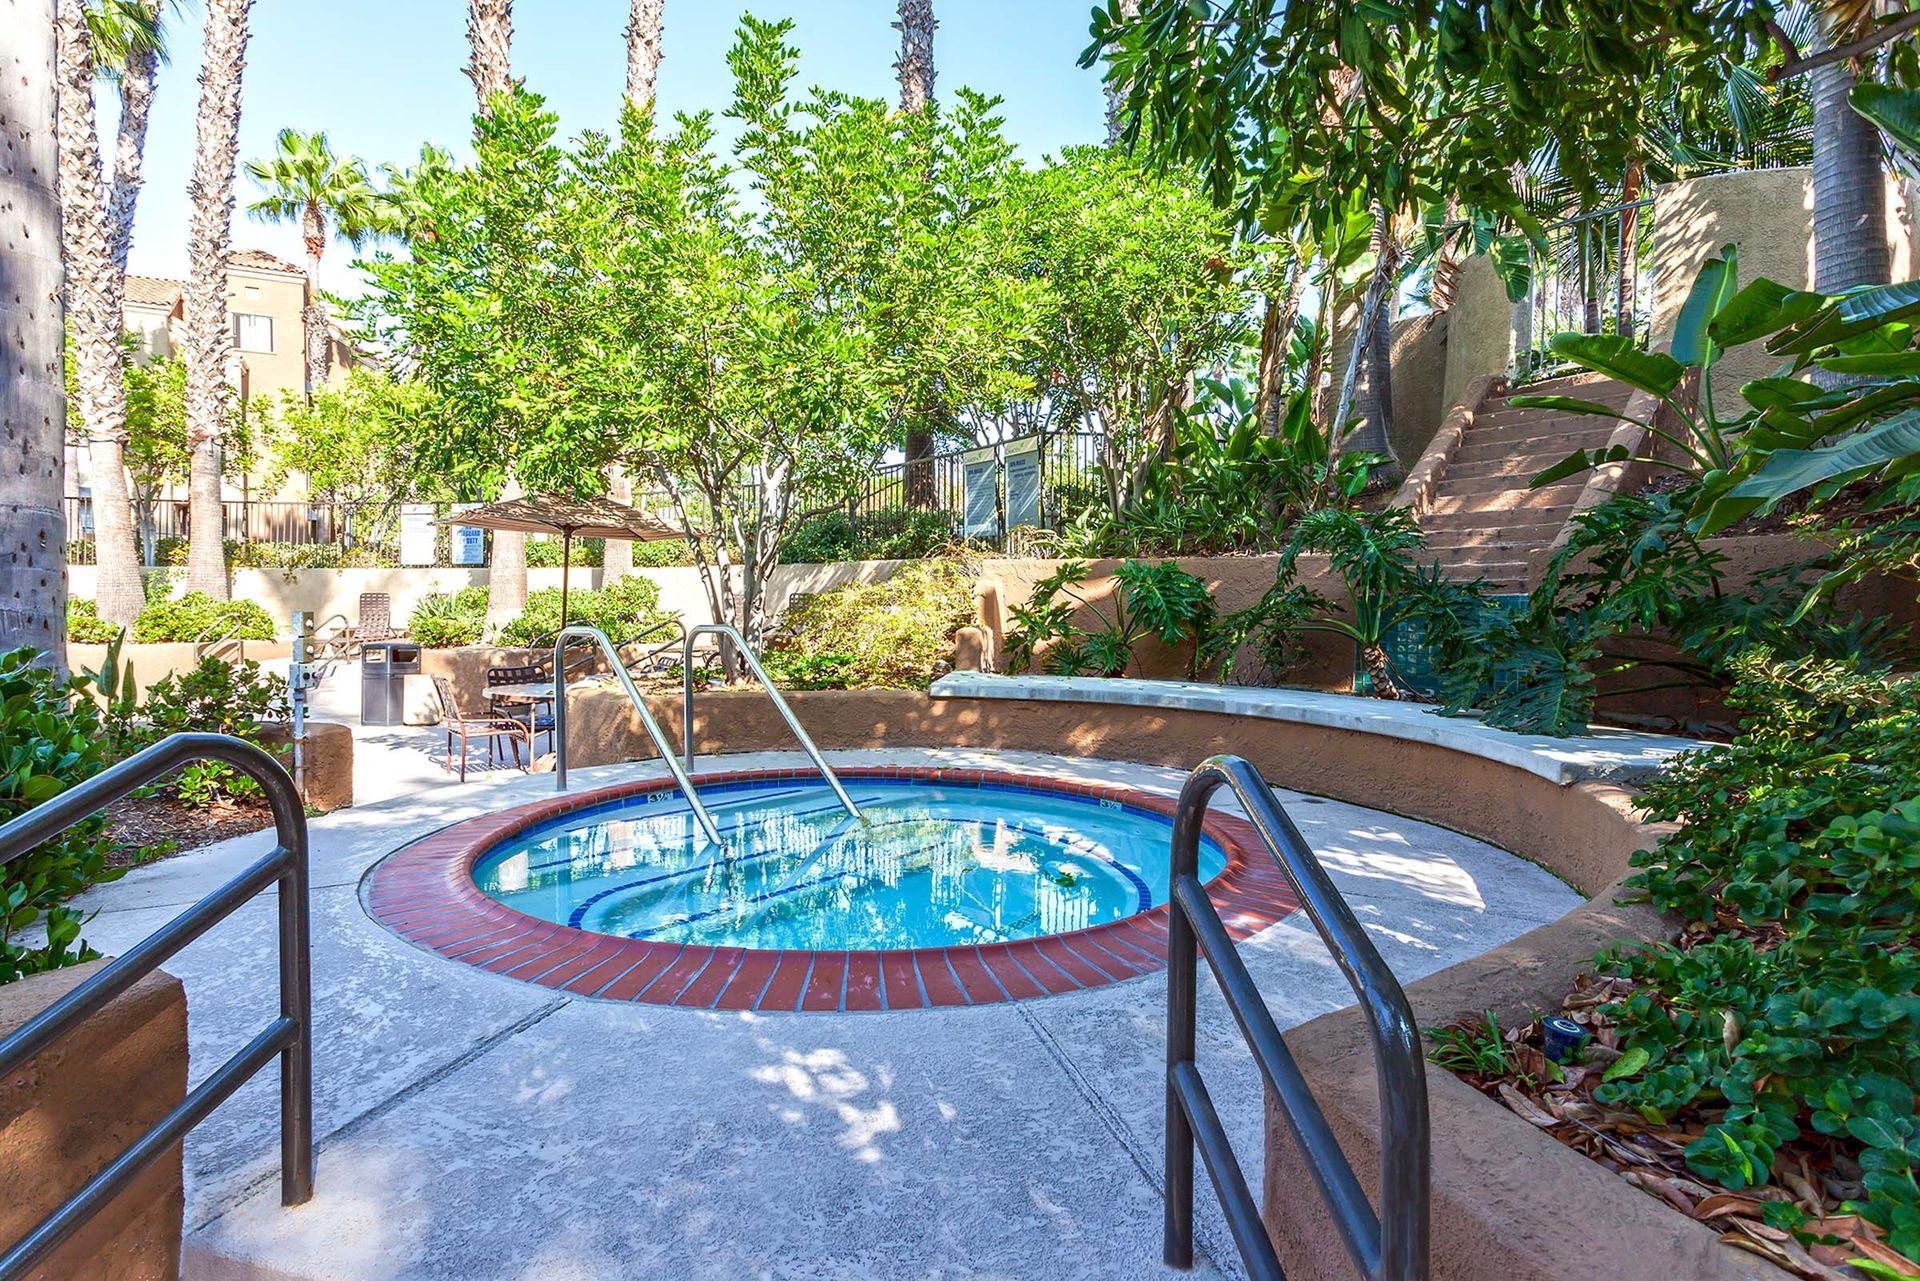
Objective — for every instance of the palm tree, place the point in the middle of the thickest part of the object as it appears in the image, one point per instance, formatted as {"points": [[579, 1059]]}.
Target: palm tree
{"points": [[643, 50], [1126, 11], [644, 27], [490, 67], [306, 183], [1849, 177], [490, 46], [209, 336], [33, 409], [123, 38], [404, 211], [915, 67]]}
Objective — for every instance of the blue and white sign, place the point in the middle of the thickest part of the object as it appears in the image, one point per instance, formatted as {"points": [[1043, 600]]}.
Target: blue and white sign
{"points": [[469, 544]]}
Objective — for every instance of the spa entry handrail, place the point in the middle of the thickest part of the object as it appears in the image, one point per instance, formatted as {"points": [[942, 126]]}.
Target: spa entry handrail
{"points": [[780, 704], [1390, 1246], [654, 732], [288, 1038]]}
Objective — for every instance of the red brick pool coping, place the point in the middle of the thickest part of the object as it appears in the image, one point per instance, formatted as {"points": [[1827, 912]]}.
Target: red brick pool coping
{"points": [[425, 893]]}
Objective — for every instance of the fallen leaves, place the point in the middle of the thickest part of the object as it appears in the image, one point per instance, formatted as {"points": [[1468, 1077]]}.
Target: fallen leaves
{"points": [[1810, 1188]]}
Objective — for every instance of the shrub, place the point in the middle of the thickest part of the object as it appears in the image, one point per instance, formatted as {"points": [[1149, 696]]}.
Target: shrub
{"points": [[792, 670], [621, 610], [894, 633], [448, 621], [1159, 600], [891, 533], [217, 697], [544, 553], [85, 626], [1789, 1013], [199, 617], [662, 552], [53, 739]]}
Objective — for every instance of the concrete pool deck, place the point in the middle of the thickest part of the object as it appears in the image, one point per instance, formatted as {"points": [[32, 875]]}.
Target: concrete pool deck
{"points": [[472, 1126]]}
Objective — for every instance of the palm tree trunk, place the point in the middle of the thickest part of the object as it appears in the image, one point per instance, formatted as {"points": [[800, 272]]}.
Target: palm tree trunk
{"points": [[490, 41], [1276, 340], [1125, 11], [644, 26], [33, 395], [1448, 262], [313, 231], [915, 66], [130, 148], [209, 333], [1849, 186], [94, 292], [1372, 435], [1627, 286]]}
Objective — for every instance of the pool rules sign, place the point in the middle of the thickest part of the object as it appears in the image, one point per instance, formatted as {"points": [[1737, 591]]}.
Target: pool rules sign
{"points": [[417, 532]]}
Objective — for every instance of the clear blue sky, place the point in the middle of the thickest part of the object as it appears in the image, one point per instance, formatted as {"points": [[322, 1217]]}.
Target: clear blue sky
{"points": [[383, 76]]}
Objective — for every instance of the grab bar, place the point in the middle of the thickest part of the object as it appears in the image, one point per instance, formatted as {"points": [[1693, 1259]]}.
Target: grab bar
{"points": [[652, 726], [1388, 1246], [793, 722]]}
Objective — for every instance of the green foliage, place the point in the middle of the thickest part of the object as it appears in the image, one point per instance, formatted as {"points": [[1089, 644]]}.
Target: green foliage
{"points": [[1633, 570], [890, 533], [216, 697], [449, 620], [355, 443], [53, 739], [1792, 1013], [622, 610], [199, 617], [544, 553], [1156, 600], [793, 670], [85, 626], [896, 633]]}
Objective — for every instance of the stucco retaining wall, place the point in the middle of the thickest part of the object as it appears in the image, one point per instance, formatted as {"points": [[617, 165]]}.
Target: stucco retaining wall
{"points": [[1509, 1201], [326, 592], [79, 1104], [152, 662], [1768, 213]]}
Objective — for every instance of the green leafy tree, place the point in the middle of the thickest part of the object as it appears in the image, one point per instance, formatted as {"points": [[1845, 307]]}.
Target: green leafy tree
{"points": [[1145, 288]]}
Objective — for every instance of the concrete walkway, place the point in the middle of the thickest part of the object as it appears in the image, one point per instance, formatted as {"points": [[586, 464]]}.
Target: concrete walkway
{"points": [[473, 1127]]}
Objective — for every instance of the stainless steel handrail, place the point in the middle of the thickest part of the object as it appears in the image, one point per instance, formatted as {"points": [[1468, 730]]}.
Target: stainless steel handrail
{"points": [[786, 712], [288, 1038], [652, 726], [1389, 1247]]}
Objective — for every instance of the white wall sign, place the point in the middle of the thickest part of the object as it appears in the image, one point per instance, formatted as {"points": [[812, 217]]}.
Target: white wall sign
{"points": [[417, 534]]}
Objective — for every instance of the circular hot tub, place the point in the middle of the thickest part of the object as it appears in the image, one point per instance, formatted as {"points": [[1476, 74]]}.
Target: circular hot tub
{"points": [[952, 887]]}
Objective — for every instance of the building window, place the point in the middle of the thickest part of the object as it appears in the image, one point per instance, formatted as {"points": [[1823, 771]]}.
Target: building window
{"points": [[252, 333]]}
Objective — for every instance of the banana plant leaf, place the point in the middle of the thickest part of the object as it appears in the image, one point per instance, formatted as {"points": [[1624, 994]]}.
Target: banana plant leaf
{"points": [[1887, 364], [1572, 405], [1618, 358], [1582, 460], [1788, 471], [1895, 111], [1760, 308], [1716, 285], [1852, 315]]}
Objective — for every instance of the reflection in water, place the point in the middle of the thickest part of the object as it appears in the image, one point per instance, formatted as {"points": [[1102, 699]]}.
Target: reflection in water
{"points": [[924, 866]]}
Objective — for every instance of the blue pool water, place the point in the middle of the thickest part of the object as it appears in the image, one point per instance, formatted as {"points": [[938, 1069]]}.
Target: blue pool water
{"points": [[925, 866]]}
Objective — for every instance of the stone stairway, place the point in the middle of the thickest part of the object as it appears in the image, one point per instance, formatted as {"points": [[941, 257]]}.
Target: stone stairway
{"points": [[1483, 520]]}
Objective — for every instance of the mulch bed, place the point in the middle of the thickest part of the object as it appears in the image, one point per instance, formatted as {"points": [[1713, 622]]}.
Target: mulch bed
{"points": [[147, 828], [1651, 1157]]}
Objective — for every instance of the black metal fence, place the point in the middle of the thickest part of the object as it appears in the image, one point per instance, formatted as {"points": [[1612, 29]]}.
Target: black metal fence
{"points": [[988, 493], [1594, 276]]}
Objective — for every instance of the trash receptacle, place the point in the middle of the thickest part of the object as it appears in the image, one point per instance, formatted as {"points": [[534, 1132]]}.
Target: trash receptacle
{"points": [[384, 668]]}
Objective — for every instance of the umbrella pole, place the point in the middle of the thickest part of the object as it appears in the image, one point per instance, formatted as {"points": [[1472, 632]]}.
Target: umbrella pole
{"points": [[566, 568]]}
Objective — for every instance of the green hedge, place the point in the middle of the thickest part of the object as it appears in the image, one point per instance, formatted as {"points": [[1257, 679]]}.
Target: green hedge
{"points": [[199, 617]]}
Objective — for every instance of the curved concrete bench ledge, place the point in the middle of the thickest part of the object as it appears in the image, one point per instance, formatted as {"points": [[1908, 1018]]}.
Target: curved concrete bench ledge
{"points": [[1617, 755]]}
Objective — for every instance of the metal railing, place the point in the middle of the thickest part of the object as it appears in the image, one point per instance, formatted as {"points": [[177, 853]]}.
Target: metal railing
{"points": [[1592, 274], [288, 1038], [1391, 1246], [654, 732], [745, 651]]}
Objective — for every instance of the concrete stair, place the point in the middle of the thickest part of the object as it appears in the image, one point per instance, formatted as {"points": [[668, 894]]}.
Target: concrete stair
{"points": [[1484, 519]]}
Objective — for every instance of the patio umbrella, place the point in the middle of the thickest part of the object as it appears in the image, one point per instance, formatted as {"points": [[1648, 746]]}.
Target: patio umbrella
{"points": [[569, 518]]}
